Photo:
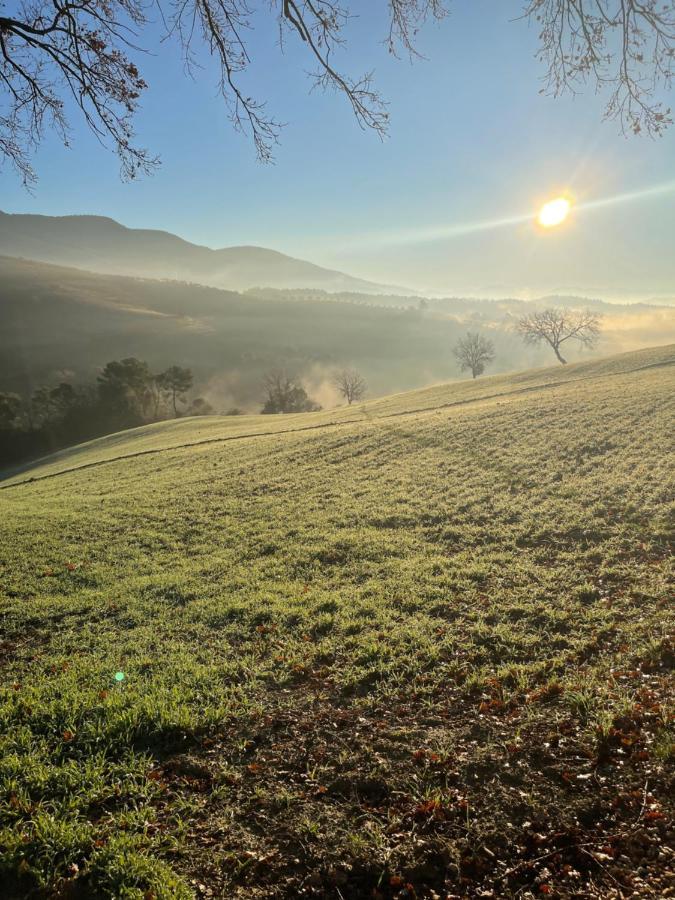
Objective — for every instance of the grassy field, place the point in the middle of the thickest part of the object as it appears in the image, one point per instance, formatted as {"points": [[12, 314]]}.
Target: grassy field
{"points": [[418, 648]]}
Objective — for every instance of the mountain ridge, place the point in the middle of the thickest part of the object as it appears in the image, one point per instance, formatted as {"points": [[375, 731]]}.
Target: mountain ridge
{"points": [[102, 244]]}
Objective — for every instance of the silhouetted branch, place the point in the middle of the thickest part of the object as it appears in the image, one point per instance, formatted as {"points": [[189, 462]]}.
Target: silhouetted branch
{"points": [[52, 50], [627, 46]]}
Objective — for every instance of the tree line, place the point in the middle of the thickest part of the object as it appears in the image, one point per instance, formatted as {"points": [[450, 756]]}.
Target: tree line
{"points": [[126, 394]]}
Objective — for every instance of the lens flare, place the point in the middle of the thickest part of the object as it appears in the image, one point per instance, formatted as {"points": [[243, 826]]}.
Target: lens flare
{"points": [[554, 212], [454, 230]]}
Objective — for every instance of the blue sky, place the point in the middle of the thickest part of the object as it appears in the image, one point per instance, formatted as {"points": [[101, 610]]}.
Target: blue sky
{"points": [[471, 140]]}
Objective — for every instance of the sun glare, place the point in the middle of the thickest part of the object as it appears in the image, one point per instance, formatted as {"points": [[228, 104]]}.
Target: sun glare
{"points": [[554, 212]]}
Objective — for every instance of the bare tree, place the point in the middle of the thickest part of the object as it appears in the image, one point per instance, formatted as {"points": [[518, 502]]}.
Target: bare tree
{"points": [[555, 326], [351, 385], [80, 51], [474, 352], [285, 394]]}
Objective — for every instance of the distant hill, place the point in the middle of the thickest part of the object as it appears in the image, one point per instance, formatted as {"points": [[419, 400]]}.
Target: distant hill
{"points": [[100, 244], [65, 323], [57, 320]]}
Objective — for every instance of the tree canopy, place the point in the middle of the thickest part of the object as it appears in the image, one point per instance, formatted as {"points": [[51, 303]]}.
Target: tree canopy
{"points": [[126, 394], [175, 382], [85, 52], [285, 394]]}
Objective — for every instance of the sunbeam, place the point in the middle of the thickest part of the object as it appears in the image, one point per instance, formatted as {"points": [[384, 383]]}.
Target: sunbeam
{"points": [[445, 232]]}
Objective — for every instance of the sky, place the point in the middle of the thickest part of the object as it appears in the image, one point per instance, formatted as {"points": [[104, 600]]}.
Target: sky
{"points": [[472, 142]]}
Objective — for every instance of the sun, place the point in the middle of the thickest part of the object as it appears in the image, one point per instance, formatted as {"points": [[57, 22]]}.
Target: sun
{"points": [[554, 212]]}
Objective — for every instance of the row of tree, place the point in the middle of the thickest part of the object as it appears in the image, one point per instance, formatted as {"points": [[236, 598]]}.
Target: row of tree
{"points": [[125, 394], [284, 393]]}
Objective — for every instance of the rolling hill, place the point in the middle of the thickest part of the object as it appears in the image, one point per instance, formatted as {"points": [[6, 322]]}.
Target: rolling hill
{"points": [[58, 322], [418, 648], [54, 318], [100, 244]]}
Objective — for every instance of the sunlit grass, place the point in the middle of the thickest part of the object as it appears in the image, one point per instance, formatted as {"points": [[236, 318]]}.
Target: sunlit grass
{"points": [[430, 620]]}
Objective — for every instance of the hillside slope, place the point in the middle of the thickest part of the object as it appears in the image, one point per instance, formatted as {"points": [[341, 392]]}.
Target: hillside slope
{"points": [[58, 322], [192, 432], [54, 318], [100, 244], [421, 648]]}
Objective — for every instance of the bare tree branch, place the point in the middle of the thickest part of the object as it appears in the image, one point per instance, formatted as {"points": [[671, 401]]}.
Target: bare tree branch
{"points": [[627, 46], [78, 49], [52, 51]]}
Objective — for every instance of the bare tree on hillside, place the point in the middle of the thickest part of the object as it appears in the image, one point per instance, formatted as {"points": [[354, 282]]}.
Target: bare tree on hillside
{"points": [[474, 352], [350, 385], [555, 326], [285, 394], [81, 51]]}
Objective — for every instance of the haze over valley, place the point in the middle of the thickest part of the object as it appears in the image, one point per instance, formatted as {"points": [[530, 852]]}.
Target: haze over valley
{"points": [[58, 321]]}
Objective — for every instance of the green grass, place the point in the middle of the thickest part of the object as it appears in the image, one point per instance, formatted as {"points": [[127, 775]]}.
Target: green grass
{"points": [[421, 647]]}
